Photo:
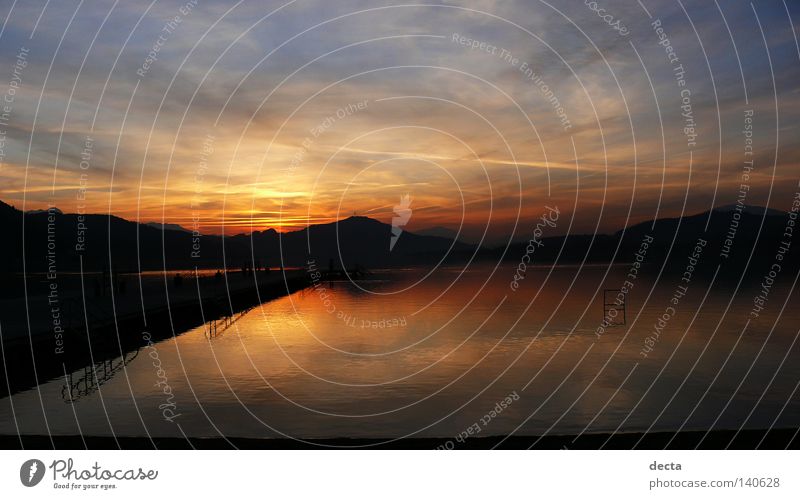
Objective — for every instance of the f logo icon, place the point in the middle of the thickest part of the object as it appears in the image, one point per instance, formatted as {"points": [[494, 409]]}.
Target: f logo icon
{"points": [[402, 213], [31, 472]]}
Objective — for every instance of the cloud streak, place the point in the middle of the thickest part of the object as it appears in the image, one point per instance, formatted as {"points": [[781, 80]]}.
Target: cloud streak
{"points": [[441, 120]]}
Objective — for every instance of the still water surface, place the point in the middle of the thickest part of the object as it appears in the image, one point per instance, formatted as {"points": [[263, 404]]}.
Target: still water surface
{"points": [[402, 355]]}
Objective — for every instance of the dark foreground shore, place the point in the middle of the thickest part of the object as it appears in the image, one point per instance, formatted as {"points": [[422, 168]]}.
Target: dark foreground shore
{"points": [[784, 438], [102, 328]]}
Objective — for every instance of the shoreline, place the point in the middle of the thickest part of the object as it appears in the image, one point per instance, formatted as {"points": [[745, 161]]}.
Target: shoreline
{"points": [[30, 359], [782, 438]]}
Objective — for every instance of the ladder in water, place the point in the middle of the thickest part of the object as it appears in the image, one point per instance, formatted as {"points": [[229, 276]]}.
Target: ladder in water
{"points": [[614, 307]]}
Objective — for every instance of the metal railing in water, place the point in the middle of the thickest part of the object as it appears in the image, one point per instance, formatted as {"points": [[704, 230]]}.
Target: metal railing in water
{"points": [[78, 385]]}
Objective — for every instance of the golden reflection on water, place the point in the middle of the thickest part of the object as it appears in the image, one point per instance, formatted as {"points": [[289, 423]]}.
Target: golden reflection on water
{"points": [[336, 360]]}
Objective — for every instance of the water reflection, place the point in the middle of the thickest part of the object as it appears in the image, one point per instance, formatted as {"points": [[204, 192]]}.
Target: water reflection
{"points": [[87, 381], [339, 360]]}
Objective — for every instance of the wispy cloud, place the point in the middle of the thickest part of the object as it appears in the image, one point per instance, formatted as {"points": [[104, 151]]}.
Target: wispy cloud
{"points": [[440, 117]]}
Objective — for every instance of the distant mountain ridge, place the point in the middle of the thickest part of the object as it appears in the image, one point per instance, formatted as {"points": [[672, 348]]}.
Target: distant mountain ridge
{"points": [[751, 210], [753, 243], [352, 241], [165, 226], [100, 242], [437, 231]]}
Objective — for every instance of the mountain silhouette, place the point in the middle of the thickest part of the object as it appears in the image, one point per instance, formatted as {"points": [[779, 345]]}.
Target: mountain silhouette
{"points": [[439, 231], [70, 243], [107, 242], [160, 226], [754, 238]]}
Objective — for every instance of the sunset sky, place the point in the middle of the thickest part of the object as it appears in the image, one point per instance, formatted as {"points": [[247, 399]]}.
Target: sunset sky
{"points": [[259, 114]]}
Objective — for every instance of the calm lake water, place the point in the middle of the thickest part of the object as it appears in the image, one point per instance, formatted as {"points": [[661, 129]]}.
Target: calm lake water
{"points": [[410, 354]]}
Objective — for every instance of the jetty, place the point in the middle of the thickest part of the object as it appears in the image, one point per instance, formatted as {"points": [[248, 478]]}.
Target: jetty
{"points": [[87, 319]]}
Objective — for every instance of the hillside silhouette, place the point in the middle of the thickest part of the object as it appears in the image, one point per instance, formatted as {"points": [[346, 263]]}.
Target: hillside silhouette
{"points": [[113, 243]]}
